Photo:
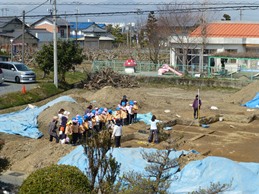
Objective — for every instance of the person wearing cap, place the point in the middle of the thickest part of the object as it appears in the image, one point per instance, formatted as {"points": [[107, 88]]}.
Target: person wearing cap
{"points": [[68, 131], [124, 114], [124, 99], [118, 113], [196, 106], [53, 129], [117, 132], [110, 119], [129, 112], [135, 111]]}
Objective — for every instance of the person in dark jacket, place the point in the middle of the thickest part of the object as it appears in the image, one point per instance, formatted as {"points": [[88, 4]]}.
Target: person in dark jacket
{"points": [[124, 100], [196, 107], [53, 129]]}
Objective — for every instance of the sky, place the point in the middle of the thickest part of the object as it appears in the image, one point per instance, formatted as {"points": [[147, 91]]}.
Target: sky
{"points": [[15, 8]]}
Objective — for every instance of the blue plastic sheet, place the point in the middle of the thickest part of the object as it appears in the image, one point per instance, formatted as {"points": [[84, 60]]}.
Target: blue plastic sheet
{"points": [[254, 103], [24, 122], [130, 158], [243, 177]]}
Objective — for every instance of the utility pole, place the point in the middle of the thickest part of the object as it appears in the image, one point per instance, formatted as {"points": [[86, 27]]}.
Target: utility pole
{"points": [[241, 14], [77, 10], [55, 43], [23, 34], [66, 25]]}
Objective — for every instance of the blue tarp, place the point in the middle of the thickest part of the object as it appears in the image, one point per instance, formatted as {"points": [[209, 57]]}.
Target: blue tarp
{"points": [[254, 103], [243, 177], [146, 118], [24, 122]]}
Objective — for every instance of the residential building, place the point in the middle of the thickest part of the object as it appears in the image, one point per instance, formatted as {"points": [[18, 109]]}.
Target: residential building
{"points": [[63, 27], [11, 36], [91, 35]]}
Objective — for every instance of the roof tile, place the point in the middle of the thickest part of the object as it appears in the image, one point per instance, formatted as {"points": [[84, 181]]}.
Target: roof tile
{"points": [[234, 30]]}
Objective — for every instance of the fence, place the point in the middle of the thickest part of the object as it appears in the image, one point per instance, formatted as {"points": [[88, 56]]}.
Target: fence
{"points": [[149, 68], [142, 66]]}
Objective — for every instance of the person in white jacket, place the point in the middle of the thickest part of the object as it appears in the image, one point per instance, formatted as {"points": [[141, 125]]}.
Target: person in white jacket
{"points": [[117, 132], [153, 130]]}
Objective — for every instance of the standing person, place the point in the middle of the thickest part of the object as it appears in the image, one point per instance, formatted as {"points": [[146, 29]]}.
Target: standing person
{"points": [[117, 132], [124, 99], [135, 111], [75, 131], [124, 114], [196, 107], [68, 132], [63, 125], [53, 129], [153, 130], [129, 108], [88, 109]]}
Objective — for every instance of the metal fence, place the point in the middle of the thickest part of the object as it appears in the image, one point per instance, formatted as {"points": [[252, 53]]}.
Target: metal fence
{"points": [[142, 66], [149, 68]]}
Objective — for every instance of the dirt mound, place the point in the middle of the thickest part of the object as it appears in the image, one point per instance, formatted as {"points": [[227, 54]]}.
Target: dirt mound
{"points": [[46, 116], [245, 94]]}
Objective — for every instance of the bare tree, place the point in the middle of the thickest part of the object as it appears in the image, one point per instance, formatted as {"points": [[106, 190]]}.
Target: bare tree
{"points": [[102, 168], [178, 24]]}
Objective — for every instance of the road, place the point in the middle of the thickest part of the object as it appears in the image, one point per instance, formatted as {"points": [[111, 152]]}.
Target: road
{"points": [[8, 87]]}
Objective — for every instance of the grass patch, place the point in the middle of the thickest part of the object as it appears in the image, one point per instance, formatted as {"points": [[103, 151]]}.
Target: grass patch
{"points": [[43, 91]]}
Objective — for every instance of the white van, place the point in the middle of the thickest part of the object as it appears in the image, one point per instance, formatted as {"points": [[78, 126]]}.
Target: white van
{"points": [[17, 72]]}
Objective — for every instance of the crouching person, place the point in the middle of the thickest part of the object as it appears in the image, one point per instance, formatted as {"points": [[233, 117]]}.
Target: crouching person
{"points": [[53, 129], [117, 132]]}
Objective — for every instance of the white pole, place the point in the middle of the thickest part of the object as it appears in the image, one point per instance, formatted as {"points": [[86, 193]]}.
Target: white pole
{"points": [[55, 44], [198, 112]]}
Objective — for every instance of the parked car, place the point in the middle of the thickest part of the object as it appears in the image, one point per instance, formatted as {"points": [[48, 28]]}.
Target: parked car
{"points": [[1, 76], [17, 72]]}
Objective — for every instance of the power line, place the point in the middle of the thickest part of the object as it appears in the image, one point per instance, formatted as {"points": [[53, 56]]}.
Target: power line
{"points": [[130, 3], [37, 7], [144, 12]]}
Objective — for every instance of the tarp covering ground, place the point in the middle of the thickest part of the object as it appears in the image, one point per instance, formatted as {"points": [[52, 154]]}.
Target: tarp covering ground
{"points": [[254, 103], [24, 122], [242, 177]]}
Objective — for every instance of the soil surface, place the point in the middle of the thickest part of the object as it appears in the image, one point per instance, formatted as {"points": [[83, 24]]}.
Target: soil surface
{"points": [[236, 137]]}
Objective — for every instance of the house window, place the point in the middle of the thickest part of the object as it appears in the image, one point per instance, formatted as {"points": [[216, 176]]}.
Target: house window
{"points": [[62, 33]]}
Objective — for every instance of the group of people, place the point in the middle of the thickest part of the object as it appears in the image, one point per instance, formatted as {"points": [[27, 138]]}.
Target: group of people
{"points": [[94, 120]]}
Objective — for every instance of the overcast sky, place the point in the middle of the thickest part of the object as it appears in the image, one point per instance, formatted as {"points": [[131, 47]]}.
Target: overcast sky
{"points": [[15, 7]]}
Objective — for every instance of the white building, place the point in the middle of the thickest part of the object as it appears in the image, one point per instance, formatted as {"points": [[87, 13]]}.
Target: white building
{"points": [[216, 37]]}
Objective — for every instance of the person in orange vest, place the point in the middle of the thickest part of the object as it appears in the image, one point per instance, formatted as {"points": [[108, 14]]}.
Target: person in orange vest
{"points": [[135, 111], [118, 113], [124, 114], [110, 119]]}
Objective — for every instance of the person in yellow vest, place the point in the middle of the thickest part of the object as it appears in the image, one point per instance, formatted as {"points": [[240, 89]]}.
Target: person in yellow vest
{"points": [[69, 132], [135, 111], [110, 117], [118, 113]]}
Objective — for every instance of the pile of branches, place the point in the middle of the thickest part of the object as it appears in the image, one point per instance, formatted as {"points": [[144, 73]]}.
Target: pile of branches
{"points": [[108, 77]]}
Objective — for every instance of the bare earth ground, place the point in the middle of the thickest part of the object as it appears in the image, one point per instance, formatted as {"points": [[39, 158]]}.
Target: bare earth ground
{"points": [[234, 138]]}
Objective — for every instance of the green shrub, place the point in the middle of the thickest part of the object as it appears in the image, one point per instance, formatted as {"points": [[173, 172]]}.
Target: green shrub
{"points": [[56, 179]]}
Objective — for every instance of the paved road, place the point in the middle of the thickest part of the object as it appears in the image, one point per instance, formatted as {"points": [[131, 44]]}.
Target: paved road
{"points": [[8, 87]]}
